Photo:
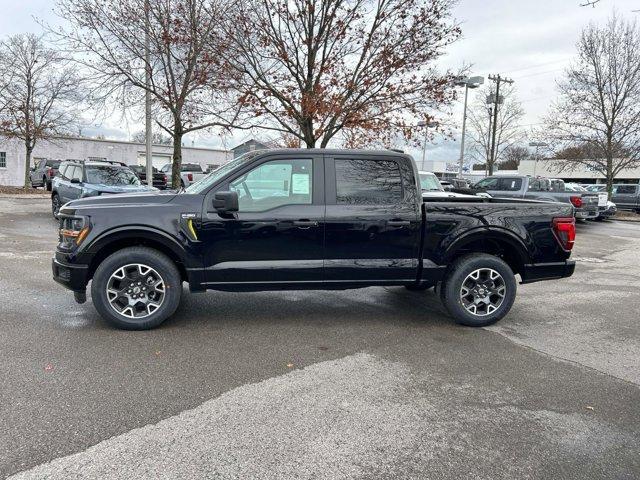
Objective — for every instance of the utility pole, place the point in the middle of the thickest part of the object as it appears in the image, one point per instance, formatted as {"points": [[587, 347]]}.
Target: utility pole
{"points": [[497, 79], [147, 97]]}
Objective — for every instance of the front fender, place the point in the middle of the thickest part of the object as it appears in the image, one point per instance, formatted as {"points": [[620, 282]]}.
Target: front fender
{"points": [[136, 232]]}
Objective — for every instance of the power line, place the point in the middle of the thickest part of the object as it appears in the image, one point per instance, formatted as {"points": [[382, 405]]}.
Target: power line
{"points": [[539, 65]]}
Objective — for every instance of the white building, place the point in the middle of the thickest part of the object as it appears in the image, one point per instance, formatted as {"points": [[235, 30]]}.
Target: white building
{"points": [[581, 174], [12, 154]]}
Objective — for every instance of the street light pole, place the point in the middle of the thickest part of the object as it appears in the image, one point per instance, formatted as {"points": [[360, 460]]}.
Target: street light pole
{"points": [[473, 82], [426, 125], [147, 98], [537, 145]]}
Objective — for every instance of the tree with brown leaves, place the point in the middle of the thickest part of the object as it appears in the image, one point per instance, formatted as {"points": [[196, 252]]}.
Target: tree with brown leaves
{"points": [[315, 69], [189, 82], [37, 93]]}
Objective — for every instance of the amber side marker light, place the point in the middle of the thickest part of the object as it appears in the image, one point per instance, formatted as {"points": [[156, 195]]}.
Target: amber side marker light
{"points": [[77, 235]]}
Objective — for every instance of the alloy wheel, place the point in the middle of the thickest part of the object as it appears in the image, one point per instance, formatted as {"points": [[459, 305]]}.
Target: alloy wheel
{"points": [[135, 290], [482, 292], [55, 206]]}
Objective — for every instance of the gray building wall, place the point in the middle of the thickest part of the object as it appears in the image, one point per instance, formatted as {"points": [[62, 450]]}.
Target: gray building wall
{"points": [[248, 146], [131, 153]]}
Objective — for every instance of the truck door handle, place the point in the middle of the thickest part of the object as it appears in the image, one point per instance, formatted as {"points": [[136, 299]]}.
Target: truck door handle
{"points": [[398, 223], [305, 224]]}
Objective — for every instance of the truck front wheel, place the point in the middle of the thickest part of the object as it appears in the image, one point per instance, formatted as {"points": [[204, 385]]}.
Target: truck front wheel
{"points": [[136, 288], [478, 290]]}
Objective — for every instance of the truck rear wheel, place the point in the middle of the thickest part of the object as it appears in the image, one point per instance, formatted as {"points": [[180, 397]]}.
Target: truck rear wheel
{"points": [[478, 290], [136, 288]]}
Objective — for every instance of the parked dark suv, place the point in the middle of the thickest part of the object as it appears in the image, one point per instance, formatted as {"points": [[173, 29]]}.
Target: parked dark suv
{"points": [[79, 179], [43, 172]]}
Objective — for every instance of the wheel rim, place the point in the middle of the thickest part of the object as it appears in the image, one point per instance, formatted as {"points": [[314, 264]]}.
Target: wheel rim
{"points": [[55, 205], [135, 291], [483, 292]]}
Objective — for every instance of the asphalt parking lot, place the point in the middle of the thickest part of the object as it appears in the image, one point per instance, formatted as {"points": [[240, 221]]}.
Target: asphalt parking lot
{"points": [[373, 383]]}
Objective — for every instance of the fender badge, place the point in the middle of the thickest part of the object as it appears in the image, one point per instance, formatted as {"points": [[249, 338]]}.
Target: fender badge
{"points": [[188, 215]]}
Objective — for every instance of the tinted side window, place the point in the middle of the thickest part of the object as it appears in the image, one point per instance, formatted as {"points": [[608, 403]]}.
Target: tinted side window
{"points": [[535, 185], [626, 189], [368, 182], [74, 172], [488, 183], [510, 184], [63, 169]]}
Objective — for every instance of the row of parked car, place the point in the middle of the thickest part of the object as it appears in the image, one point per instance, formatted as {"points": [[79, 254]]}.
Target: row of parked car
{"points": [[44, 171], [590, 202], [72, 179]]}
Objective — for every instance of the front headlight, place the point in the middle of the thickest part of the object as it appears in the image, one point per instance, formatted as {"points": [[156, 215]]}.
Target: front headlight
{"points": [[73, 230]]}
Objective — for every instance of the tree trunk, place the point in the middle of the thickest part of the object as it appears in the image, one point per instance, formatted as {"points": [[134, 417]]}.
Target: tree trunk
{"points": [[609, 177], [27, 165], [177, 157]]}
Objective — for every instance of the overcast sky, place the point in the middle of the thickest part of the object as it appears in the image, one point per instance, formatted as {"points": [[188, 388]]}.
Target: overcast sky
{"points": [[530, 41]]}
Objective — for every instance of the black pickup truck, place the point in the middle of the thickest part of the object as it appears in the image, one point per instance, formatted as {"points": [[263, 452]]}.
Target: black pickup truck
{"points": [[308, 219]]}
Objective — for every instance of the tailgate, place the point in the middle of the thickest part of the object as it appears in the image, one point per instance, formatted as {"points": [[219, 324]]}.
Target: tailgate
{"points": [[592, 200]]}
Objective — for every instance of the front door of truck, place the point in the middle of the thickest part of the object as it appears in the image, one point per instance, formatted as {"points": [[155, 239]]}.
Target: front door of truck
{"points": [[277, 236], [372, 221]]}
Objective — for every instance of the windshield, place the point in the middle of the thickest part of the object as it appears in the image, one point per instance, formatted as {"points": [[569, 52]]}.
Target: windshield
{"points": [[429, 182], [211, 178], [111, 175], [190, 167]]}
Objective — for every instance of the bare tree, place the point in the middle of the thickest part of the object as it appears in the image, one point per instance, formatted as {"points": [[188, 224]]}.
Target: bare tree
{"points": [[508, 130], [315, 68], [189, 82], [598, 112], [513, 155], [38, 98], [157, 138]]}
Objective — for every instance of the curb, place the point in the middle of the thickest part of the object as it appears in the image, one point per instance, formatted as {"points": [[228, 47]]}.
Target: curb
{"points": [[24, 195]]}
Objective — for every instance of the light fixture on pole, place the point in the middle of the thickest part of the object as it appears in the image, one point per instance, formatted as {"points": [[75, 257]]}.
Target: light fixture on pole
{"points": [[427, 125], [537, 145], [467, 83]]}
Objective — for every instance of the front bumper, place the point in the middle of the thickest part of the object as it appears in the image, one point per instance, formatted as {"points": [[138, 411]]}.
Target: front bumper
{"points": [[73, 277], [547, 271]]}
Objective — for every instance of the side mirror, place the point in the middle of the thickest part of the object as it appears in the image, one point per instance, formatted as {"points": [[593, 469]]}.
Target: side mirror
{"points": [[75, 180], [226, 202]]}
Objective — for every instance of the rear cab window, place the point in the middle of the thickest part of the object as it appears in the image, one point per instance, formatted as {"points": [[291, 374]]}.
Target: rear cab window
{"points": [[626, 189], [368, 182]]}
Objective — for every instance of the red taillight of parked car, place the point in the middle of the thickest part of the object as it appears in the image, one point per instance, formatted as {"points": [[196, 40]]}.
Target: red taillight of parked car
{"points": [[564, 228], [51, 172], [165, 179], [576, 200], [190, 176]]}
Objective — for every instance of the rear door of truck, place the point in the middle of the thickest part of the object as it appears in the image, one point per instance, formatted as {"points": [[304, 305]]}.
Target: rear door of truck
{"points": [[373, 219]]}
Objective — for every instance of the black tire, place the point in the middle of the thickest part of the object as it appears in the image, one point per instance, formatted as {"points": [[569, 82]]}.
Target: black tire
{"points": [[450, 290], [419, 287], [599, 218], [159, 262], [56, 203], [46, 184]]}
